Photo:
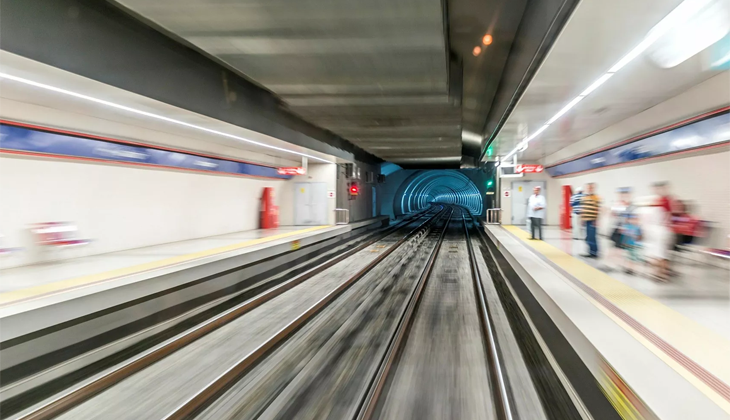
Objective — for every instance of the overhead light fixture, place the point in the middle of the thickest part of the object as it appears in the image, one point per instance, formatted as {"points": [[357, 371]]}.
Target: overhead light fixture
{"points": [[565, 109], [151, 115], [536, 133], [677, 17], [596, 84], [477, 50], [706, 27], [487, 39]]}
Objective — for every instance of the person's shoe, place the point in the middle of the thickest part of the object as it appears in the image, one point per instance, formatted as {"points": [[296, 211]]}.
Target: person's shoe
{"points": [[586, 255]]}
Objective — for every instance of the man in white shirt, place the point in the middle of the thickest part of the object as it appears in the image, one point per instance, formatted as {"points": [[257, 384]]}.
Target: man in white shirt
{"points": [[536, 212]]}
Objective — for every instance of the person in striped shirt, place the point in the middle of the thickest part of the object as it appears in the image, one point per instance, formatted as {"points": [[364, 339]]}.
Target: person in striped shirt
{"points": [[590, 205], [578, 231]]}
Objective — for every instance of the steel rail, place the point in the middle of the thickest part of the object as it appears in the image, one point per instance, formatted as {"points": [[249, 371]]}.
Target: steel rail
{"points": [[369, 403], [215, 388], [500, 389], [76, 396]]}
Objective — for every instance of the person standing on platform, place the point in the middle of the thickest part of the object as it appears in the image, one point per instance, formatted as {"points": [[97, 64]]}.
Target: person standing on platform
{"points": [[590, 204], [536, 212], [578, 232]]}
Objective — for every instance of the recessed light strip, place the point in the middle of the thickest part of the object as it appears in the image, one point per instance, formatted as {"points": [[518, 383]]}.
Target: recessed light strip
{"points": [[681, 13], [152, 115]]}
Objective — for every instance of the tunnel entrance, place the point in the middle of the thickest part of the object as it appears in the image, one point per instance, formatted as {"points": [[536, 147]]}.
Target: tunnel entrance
{"points": [[421, 188]]}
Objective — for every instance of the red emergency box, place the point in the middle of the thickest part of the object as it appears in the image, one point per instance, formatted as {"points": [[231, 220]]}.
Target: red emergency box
{"points": [[565, 209], [269, 217]]}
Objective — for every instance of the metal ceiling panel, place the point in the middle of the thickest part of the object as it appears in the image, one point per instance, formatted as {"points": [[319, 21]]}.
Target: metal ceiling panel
{"points": [[370, 71], [396, 77]]}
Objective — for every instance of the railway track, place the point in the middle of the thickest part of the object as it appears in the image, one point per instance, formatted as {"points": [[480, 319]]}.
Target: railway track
{"points": [[86, 400], [438, 365], [398, 327]]}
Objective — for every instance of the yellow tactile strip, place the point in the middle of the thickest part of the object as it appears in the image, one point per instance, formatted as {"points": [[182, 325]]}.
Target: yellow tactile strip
{"points": [[16, 296], [694, 349]]}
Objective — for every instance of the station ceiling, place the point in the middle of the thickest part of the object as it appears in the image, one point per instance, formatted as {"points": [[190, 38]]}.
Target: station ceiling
{"points": [[398, 78], [598, 35]]}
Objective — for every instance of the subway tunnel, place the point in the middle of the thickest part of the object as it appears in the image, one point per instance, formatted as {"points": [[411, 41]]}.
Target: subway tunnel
{"points": [[406, 191]]}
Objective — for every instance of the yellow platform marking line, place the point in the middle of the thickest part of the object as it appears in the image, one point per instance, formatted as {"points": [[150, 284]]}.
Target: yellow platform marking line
{"points": [[697, 342], [624, 400], [45, 289], [681, 370]]}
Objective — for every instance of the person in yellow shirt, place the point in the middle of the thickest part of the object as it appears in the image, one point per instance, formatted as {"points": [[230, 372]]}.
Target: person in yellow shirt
{"points": [[590, 205]]}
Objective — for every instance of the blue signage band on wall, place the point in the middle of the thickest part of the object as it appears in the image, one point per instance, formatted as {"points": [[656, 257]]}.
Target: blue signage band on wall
{"points": [[39, 141], [705, 132]]}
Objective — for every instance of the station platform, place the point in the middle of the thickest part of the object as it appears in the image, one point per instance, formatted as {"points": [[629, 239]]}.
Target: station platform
{"points": [[667, 343], [698, 290], [31, 280], [58, 318], [32, 287]]}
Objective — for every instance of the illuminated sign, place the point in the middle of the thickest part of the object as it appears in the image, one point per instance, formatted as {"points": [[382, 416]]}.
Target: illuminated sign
{"points": [[528, 169], [294, 170]]}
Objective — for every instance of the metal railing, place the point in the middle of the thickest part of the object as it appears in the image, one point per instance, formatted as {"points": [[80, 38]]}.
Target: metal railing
{"points": [[342, 216], [494, 216]]}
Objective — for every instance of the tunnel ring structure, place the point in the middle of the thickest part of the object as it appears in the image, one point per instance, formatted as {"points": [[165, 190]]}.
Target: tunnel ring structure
{"points": [[442, 186]]}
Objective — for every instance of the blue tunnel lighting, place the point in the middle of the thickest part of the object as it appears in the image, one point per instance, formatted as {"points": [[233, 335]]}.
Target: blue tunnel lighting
{"points": [[441, 186]]}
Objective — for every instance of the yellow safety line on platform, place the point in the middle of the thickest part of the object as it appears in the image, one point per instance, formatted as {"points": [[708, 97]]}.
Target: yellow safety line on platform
{"points": [[45, 289], [699, 343]]}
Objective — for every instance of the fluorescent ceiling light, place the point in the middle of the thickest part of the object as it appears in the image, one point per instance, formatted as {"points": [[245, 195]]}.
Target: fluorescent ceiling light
{"points": [[565, 109], [536, 133], [596, 84], [704, 28], [151, 115], [681, 14], [675, 18]]}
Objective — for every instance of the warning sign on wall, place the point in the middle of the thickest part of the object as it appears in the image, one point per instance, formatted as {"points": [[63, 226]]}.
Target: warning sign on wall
{"points": [[507, 193]]}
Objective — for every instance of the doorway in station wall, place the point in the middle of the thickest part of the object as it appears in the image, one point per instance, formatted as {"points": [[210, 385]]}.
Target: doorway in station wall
{"points": [[521, 191], [310, 203]]}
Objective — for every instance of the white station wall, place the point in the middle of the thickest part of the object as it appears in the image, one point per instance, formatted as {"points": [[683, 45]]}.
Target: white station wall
{"points": [[704, 180], [712, 94], [700, 177], [551, 193], [316, 172], [121, 207]]}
